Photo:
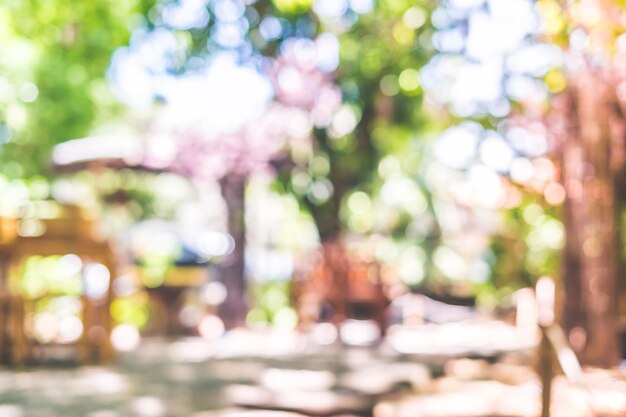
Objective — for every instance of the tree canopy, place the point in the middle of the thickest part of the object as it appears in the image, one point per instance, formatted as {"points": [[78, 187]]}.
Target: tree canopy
{"points": [[53, 74], [418, 122]]}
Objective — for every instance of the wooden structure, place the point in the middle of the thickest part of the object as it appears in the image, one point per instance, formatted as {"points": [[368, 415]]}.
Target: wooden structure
{"points": [[335, 287], [67, 232], [168, 299]]}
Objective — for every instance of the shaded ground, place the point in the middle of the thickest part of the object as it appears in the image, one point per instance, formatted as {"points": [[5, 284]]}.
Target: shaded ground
{"points": [[186, 377], [195, 378]]}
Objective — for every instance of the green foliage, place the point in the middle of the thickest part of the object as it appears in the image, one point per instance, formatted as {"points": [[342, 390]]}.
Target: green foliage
{"points": [[292, 7], [273, 305], [132, 309], [528, 247], [41, 276], [52, 73], [53, 88], [379, 59]]}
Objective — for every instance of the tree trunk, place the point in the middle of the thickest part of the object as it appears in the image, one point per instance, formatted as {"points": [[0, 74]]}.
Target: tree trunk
{"points": [[591, 257], [231, 271]]}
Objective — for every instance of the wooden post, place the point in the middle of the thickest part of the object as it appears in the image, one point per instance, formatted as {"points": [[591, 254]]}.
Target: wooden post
{"points": [[18, 351], [4, 302], [546, 372], [4, 307], [546, 293], [105, 348]]}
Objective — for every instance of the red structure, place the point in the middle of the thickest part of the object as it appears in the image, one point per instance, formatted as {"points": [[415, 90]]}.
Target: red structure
{"points": [[335, 287]]}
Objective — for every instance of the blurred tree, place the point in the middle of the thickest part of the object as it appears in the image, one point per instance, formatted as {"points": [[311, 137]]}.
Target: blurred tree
{"points": [[592, 131], [488, 167], [345, 183], [52, 74], [381, 52], [317, 55], [588, 125], [560, 68]]}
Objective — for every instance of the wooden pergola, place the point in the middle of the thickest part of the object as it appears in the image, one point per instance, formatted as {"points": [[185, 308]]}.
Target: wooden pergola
{"points": [[69, 233]]}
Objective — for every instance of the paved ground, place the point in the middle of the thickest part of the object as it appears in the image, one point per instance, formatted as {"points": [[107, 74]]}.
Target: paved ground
{"points": [[190, 377], [195, 378]]}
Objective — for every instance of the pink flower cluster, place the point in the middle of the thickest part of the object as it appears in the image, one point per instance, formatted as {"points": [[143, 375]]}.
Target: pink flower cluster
{"points": [[305, 97]]}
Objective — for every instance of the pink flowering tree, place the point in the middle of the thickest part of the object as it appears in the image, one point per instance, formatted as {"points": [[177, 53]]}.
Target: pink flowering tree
{"points": [[356, 106], [223, 126]]}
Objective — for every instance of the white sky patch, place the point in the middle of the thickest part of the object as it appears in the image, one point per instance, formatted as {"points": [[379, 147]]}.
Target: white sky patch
{"points": [[186, 14], [362, 6], [330, 8], [528, 143], [463, 84], [228, 10], [522, 170], [520, 16], [137, 71], [450, 40], [327, 50], [500, 30], [487, 186], [440, 18], [534, 60], [468, 75], [397, 190], [500, 107], [496, 153], [438, 75], [221, 100], [479, 82], [466, 4], [132, 83], [457, 147], [270, 28], [153, 49], [229, 34]]}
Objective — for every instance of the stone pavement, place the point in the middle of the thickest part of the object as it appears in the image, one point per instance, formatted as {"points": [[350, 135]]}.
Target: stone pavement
{"points": [[246, 371], [188, 377]]}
